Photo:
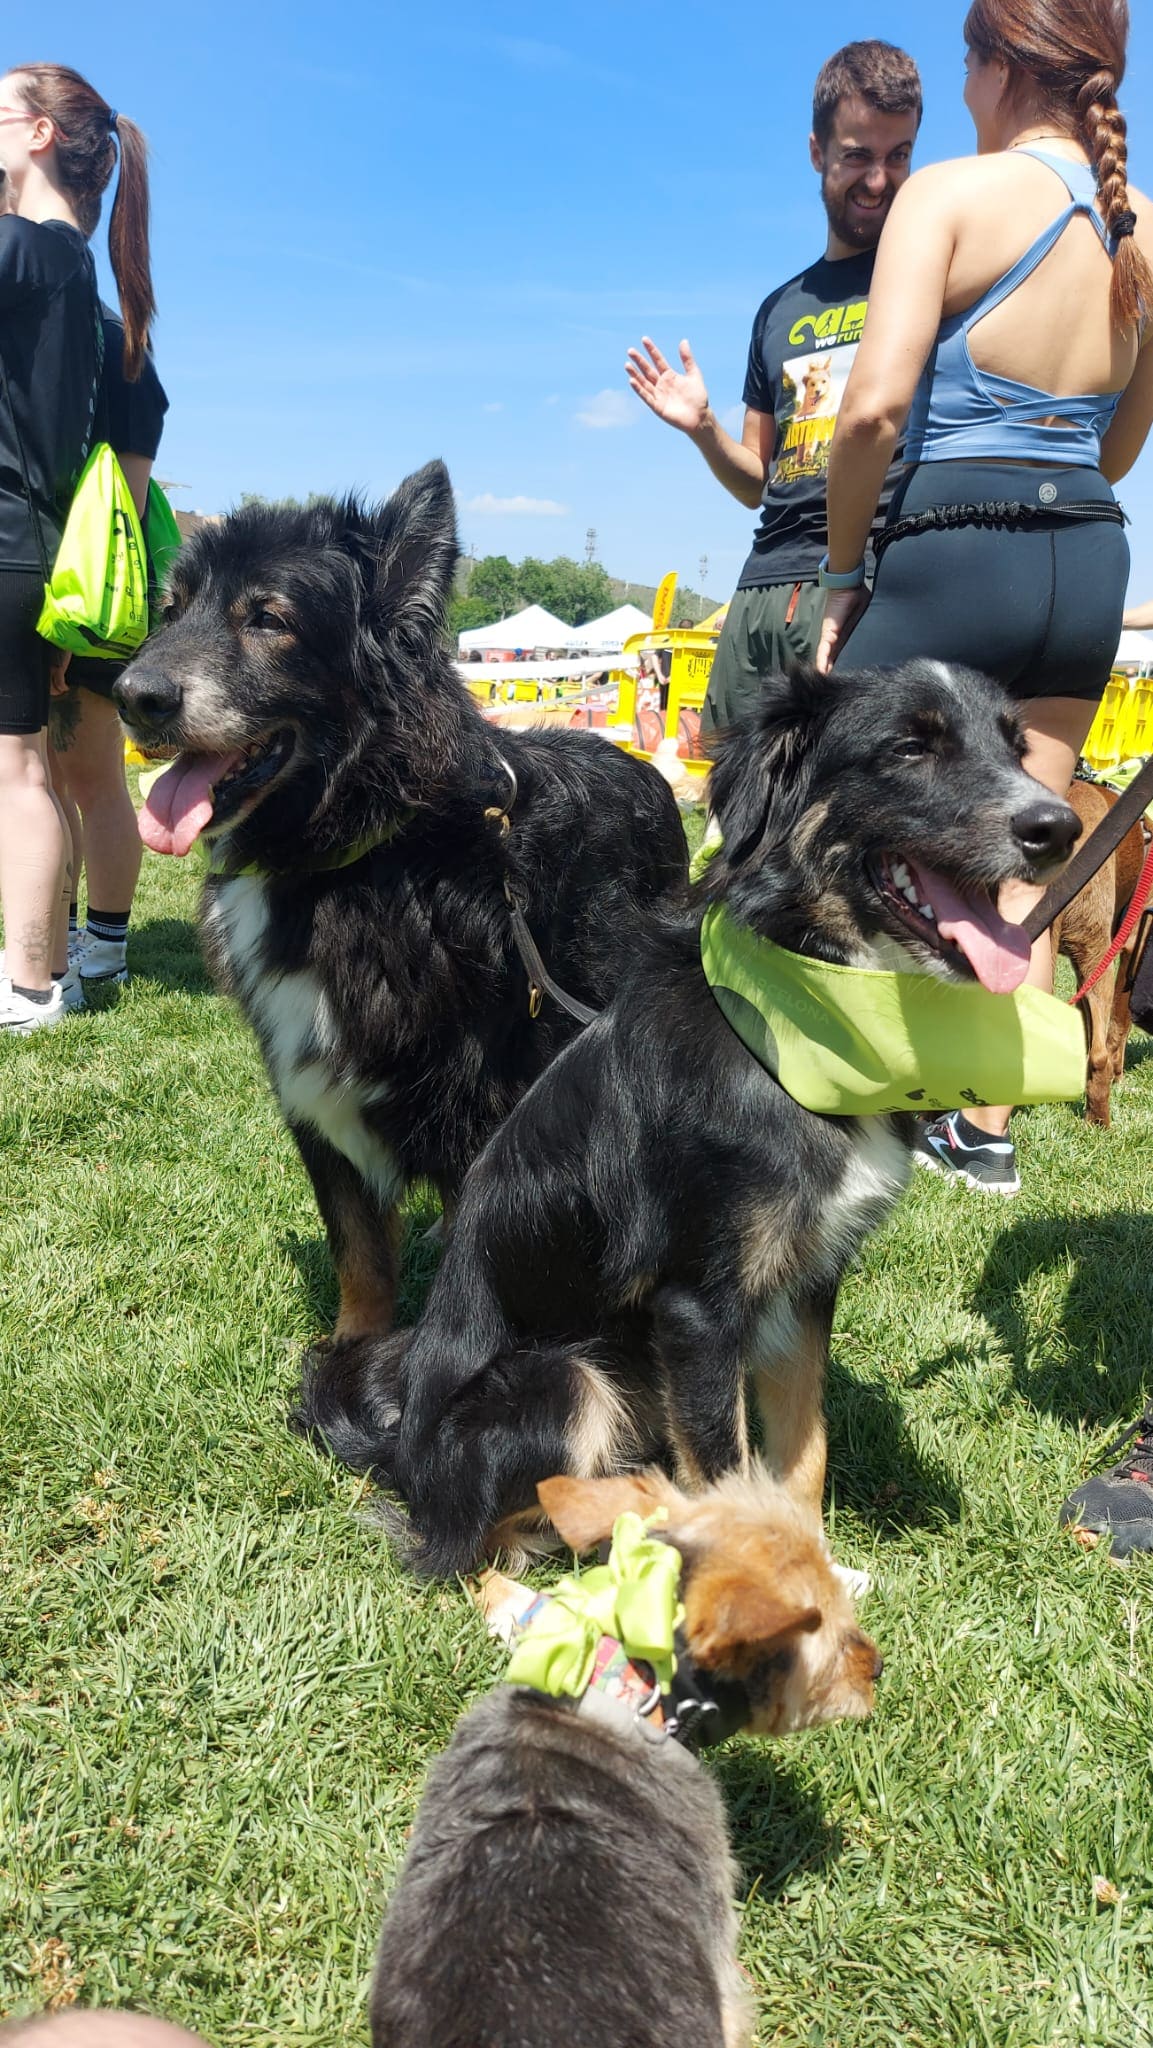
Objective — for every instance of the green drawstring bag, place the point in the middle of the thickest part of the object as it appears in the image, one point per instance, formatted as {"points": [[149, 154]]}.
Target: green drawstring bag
{"points": [[97, 600]]}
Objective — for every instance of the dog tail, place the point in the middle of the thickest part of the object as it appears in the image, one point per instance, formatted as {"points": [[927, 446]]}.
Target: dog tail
{"points": [[349, 1401], [468, 1470]]}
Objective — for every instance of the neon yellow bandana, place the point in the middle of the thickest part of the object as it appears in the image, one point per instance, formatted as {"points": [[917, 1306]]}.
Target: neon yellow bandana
{"points": [[632, 1598], [851, 1041]]}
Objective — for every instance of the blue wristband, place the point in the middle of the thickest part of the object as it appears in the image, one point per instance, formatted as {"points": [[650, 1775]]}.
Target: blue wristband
{"points": [[844, 579]]}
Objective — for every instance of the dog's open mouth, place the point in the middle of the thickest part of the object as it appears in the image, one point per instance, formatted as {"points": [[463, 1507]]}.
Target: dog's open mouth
{"points": [[967, 929], [202, 789]]}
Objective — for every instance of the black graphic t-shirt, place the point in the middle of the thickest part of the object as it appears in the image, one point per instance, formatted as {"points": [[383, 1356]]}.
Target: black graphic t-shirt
{"points": [[804, 341]]}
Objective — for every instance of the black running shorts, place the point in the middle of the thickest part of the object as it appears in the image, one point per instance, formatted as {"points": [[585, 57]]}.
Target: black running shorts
{"points": [[1038, 606], [24, 656]]}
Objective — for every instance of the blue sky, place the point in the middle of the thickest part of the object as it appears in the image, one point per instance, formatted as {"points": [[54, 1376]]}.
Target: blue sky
{"points": [[388, 232]]}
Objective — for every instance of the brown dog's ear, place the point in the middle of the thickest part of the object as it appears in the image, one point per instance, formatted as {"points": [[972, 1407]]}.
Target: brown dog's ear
{"points": [[730, 1624], [583, 1511]]}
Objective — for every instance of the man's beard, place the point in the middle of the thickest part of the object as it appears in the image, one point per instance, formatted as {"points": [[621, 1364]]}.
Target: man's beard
{"points": [[859, 234]]}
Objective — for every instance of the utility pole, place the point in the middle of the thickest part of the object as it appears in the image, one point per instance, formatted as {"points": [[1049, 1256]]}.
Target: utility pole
{"points": [[703, 569], [591, 546]]}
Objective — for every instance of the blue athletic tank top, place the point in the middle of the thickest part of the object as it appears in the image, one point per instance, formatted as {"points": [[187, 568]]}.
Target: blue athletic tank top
{"points": [[960, 411]]}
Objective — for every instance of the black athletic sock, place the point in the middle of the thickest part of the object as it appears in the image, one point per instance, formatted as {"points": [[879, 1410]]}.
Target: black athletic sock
{"points": [[111, 925], [34, 995], [73, 920]]}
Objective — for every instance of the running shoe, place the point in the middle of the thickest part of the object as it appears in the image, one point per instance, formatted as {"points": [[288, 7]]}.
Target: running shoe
{"points": [[953, 1146], [1117, 1503], [102, 960]]}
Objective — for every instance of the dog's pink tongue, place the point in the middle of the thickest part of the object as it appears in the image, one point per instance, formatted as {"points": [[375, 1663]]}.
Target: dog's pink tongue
{"points": [[997, 952], [179, 804]]}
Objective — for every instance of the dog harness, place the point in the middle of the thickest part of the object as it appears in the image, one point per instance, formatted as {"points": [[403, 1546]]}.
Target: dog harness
{"points": [[854, 1041], [614, 1635]]}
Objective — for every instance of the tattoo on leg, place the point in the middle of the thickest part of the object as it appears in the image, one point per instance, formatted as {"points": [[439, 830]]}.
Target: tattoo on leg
{"points": [[63, 719], [36, 939]]}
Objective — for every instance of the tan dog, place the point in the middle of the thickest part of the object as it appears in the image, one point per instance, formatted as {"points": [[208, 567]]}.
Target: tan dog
{"points": [[816, 390], [569, 1877], [1083, 933]]}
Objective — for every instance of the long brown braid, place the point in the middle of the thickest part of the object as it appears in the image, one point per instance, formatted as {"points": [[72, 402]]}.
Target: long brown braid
{"points": [[1106, 137]]}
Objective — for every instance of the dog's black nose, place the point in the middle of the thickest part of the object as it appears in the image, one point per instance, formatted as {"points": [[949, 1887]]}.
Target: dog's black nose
{"points": [[147, 696], [1046, 830]]}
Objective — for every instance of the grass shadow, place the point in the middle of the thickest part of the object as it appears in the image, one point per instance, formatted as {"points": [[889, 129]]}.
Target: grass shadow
{"points": [[779, 1830], [166, 951], [875, 1467], [1093, 1362]]}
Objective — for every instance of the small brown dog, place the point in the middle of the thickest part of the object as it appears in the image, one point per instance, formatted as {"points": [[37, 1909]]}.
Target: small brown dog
{"points": [[1084, 932], [569, 1877]]}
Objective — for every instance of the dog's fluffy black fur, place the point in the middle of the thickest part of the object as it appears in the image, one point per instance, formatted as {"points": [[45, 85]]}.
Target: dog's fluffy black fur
{"points": [[303, 673], [657, 1217]]}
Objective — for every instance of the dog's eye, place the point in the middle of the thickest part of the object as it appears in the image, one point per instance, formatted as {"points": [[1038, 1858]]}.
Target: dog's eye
{"points": [[265, 621], [911, 748]]}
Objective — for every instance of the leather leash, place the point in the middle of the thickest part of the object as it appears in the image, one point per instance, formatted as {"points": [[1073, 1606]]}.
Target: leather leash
{"points": [[1093, 854], [540, 981]]}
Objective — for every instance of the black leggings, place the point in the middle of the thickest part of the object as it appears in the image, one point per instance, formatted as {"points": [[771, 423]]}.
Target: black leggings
{"points": [[24, 656], [1037, 606]]}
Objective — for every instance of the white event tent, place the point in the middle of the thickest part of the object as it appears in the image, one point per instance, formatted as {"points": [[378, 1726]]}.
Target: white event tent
{"points": [[608, 635], [1135, 648], [529, 629]]}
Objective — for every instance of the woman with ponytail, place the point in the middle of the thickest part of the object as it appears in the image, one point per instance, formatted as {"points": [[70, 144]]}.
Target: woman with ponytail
{"points": [[60, 144]]}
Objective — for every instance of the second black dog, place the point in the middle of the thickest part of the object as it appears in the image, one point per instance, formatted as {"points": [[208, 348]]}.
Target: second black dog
{"points": [[658, 1218]]}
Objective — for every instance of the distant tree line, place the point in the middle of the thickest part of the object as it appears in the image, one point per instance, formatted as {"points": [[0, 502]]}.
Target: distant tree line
{"points": [[572, 591]]}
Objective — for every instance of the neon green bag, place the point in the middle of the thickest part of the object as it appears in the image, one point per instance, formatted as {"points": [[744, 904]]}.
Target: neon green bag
{"points": [[100, 595]]}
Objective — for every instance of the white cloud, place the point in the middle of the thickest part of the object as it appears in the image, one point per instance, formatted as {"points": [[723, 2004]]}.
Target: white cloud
{"points": [[733, 421], [536, 508], [610, 408], [494, 405]]}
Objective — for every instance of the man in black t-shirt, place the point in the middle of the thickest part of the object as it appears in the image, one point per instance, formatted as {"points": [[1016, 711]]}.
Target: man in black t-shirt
{"points": [[866, 112]]}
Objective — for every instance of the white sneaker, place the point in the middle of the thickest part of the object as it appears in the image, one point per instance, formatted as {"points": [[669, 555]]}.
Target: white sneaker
{"points": [[103, 960], [71, 990], [77, 941], [18, 1016]]}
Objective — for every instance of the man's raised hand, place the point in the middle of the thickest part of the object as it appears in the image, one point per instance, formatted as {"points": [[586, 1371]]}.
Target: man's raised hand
{"points": [[679, 398]]}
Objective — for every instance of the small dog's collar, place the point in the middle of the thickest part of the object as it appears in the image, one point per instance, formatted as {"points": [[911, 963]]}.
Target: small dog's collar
{"points": [[317, 864]]}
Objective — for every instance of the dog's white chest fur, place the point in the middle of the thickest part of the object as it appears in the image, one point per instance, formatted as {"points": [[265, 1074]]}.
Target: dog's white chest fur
{"points": [[292, 1017], [876, 1175]]}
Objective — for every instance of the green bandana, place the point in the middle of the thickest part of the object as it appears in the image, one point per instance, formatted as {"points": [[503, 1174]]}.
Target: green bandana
{"points": [[851, 1041], [632, 1598]]}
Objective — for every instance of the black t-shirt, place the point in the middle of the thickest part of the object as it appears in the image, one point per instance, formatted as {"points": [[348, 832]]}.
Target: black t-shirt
{"points": [[130, 416], [804, 340], [49, 341]]}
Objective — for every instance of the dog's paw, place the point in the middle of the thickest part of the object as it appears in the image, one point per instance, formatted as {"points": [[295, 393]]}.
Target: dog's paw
{"points": [[856, 1584]]}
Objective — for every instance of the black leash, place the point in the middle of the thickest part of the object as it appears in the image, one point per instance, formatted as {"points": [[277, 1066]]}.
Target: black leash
{"points": [[1093, 854], [540, 981], [992, 512]]}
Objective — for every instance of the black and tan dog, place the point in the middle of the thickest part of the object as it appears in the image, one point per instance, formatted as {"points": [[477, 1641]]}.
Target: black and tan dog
{"points": [[364, 823], [569, 1876], [658, 1219]]}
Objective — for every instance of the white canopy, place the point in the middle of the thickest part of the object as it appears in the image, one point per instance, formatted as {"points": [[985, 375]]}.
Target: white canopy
{"points": [[1136, 647], [534, 627], [615, 627]]}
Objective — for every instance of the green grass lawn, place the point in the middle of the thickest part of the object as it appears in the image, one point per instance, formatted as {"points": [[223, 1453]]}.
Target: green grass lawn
{"points": [[218, 1696]]}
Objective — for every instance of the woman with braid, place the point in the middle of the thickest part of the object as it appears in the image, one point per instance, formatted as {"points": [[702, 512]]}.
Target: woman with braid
{"points": [[59, 146], [1008, 326]]}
